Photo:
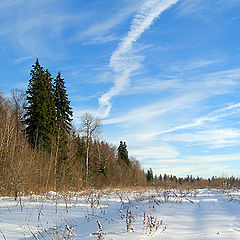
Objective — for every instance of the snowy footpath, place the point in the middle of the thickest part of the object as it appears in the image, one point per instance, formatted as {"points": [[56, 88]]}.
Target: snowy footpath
{"points": [[117, 215]]}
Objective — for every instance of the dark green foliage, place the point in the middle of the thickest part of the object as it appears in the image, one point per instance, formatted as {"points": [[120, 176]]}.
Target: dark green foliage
{"points": [[80, 150], [149, 175], [62, 157], [160, 178], [62, 104], [40, 111], [63, 126], [123, 153], [165, 177]]}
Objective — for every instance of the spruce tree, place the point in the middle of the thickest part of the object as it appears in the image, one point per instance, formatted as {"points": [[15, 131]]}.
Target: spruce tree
{"points": [[62, 104], [40, 110], [149, 175], [123, 153], [63, 126]]}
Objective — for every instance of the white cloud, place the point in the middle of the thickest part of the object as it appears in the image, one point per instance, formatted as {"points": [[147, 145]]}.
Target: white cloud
{"points": [[101, 40], [211, 117], [187, 7], [99, 31], [198, 8], [228, 3], [201, 131], [209, 84], [141, 114], [156, 109], [122, 61], [32, 28], [154, 152], [177, 102], [223, 78], [211, 158], [195, 170], [198, 159], [22, 59], [102, 28], [154, 85], [183, 67], [173, 118], [213, 138], [183, 95], [202, 165]]}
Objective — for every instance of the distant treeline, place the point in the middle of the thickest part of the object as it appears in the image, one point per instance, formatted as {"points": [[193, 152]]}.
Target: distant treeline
{"points": [[40, 149], [170, 181]]}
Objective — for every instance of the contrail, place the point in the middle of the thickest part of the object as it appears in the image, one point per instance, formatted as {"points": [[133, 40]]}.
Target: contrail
{"points": [[122, 62]]}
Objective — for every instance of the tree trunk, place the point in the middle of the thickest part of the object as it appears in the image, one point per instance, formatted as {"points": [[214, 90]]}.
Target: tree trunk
{"points": [[87, 160]]}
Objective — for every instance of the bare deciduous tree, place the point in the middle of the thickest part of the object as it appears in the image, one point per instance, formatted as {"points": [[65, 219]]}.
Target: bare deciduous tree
{"points": [[19, 102], [91, 128]]}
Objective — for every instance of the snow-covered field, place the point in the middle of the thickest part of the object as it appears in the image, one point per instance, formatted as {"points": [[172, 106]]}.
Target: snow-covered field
{"points": [[153, 214]]}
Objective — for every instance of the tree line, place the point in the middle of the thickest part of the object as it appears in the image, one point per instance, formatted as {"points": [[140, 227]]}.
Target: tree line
{"points": [[172, 181], [41, 150]]}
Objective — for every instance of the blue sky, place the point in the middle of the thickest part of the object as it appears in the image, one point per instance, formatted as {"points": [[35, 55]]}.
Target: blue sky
{"points": [[163, 75]]}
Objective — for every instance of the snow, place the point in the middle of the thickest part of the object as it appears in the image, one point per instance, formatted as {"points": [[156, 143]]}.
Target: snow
{"points": [[118, 214]]}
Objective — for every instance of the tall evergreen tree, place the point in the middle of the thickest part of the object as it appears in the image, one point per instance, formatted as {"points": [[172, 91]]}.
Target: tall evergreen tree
{"points": [[63, 126], [123, 153], [62, 104], [40, 110], [149, 175]]}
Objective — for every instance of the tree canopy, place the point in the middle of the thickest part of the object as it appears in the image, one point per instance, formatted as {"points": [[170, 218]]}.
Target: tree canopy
{"points": [[40, 111]]}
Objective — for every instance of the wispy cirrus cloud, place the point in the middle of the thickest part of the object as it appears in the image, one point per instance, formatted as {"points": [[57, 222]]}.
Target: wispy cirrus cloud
{"points": [[204, 131], [211, 138], [22, 59], [153, 110], [211, 117], [193, 65], [32, 28], [211, 83], [225, 164], [101, 39], [228, 4], [184, 95], [198, 7], [102, 28], [154, 85], [201, 159], [122, 61], [155, 152], [187, 7]]}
